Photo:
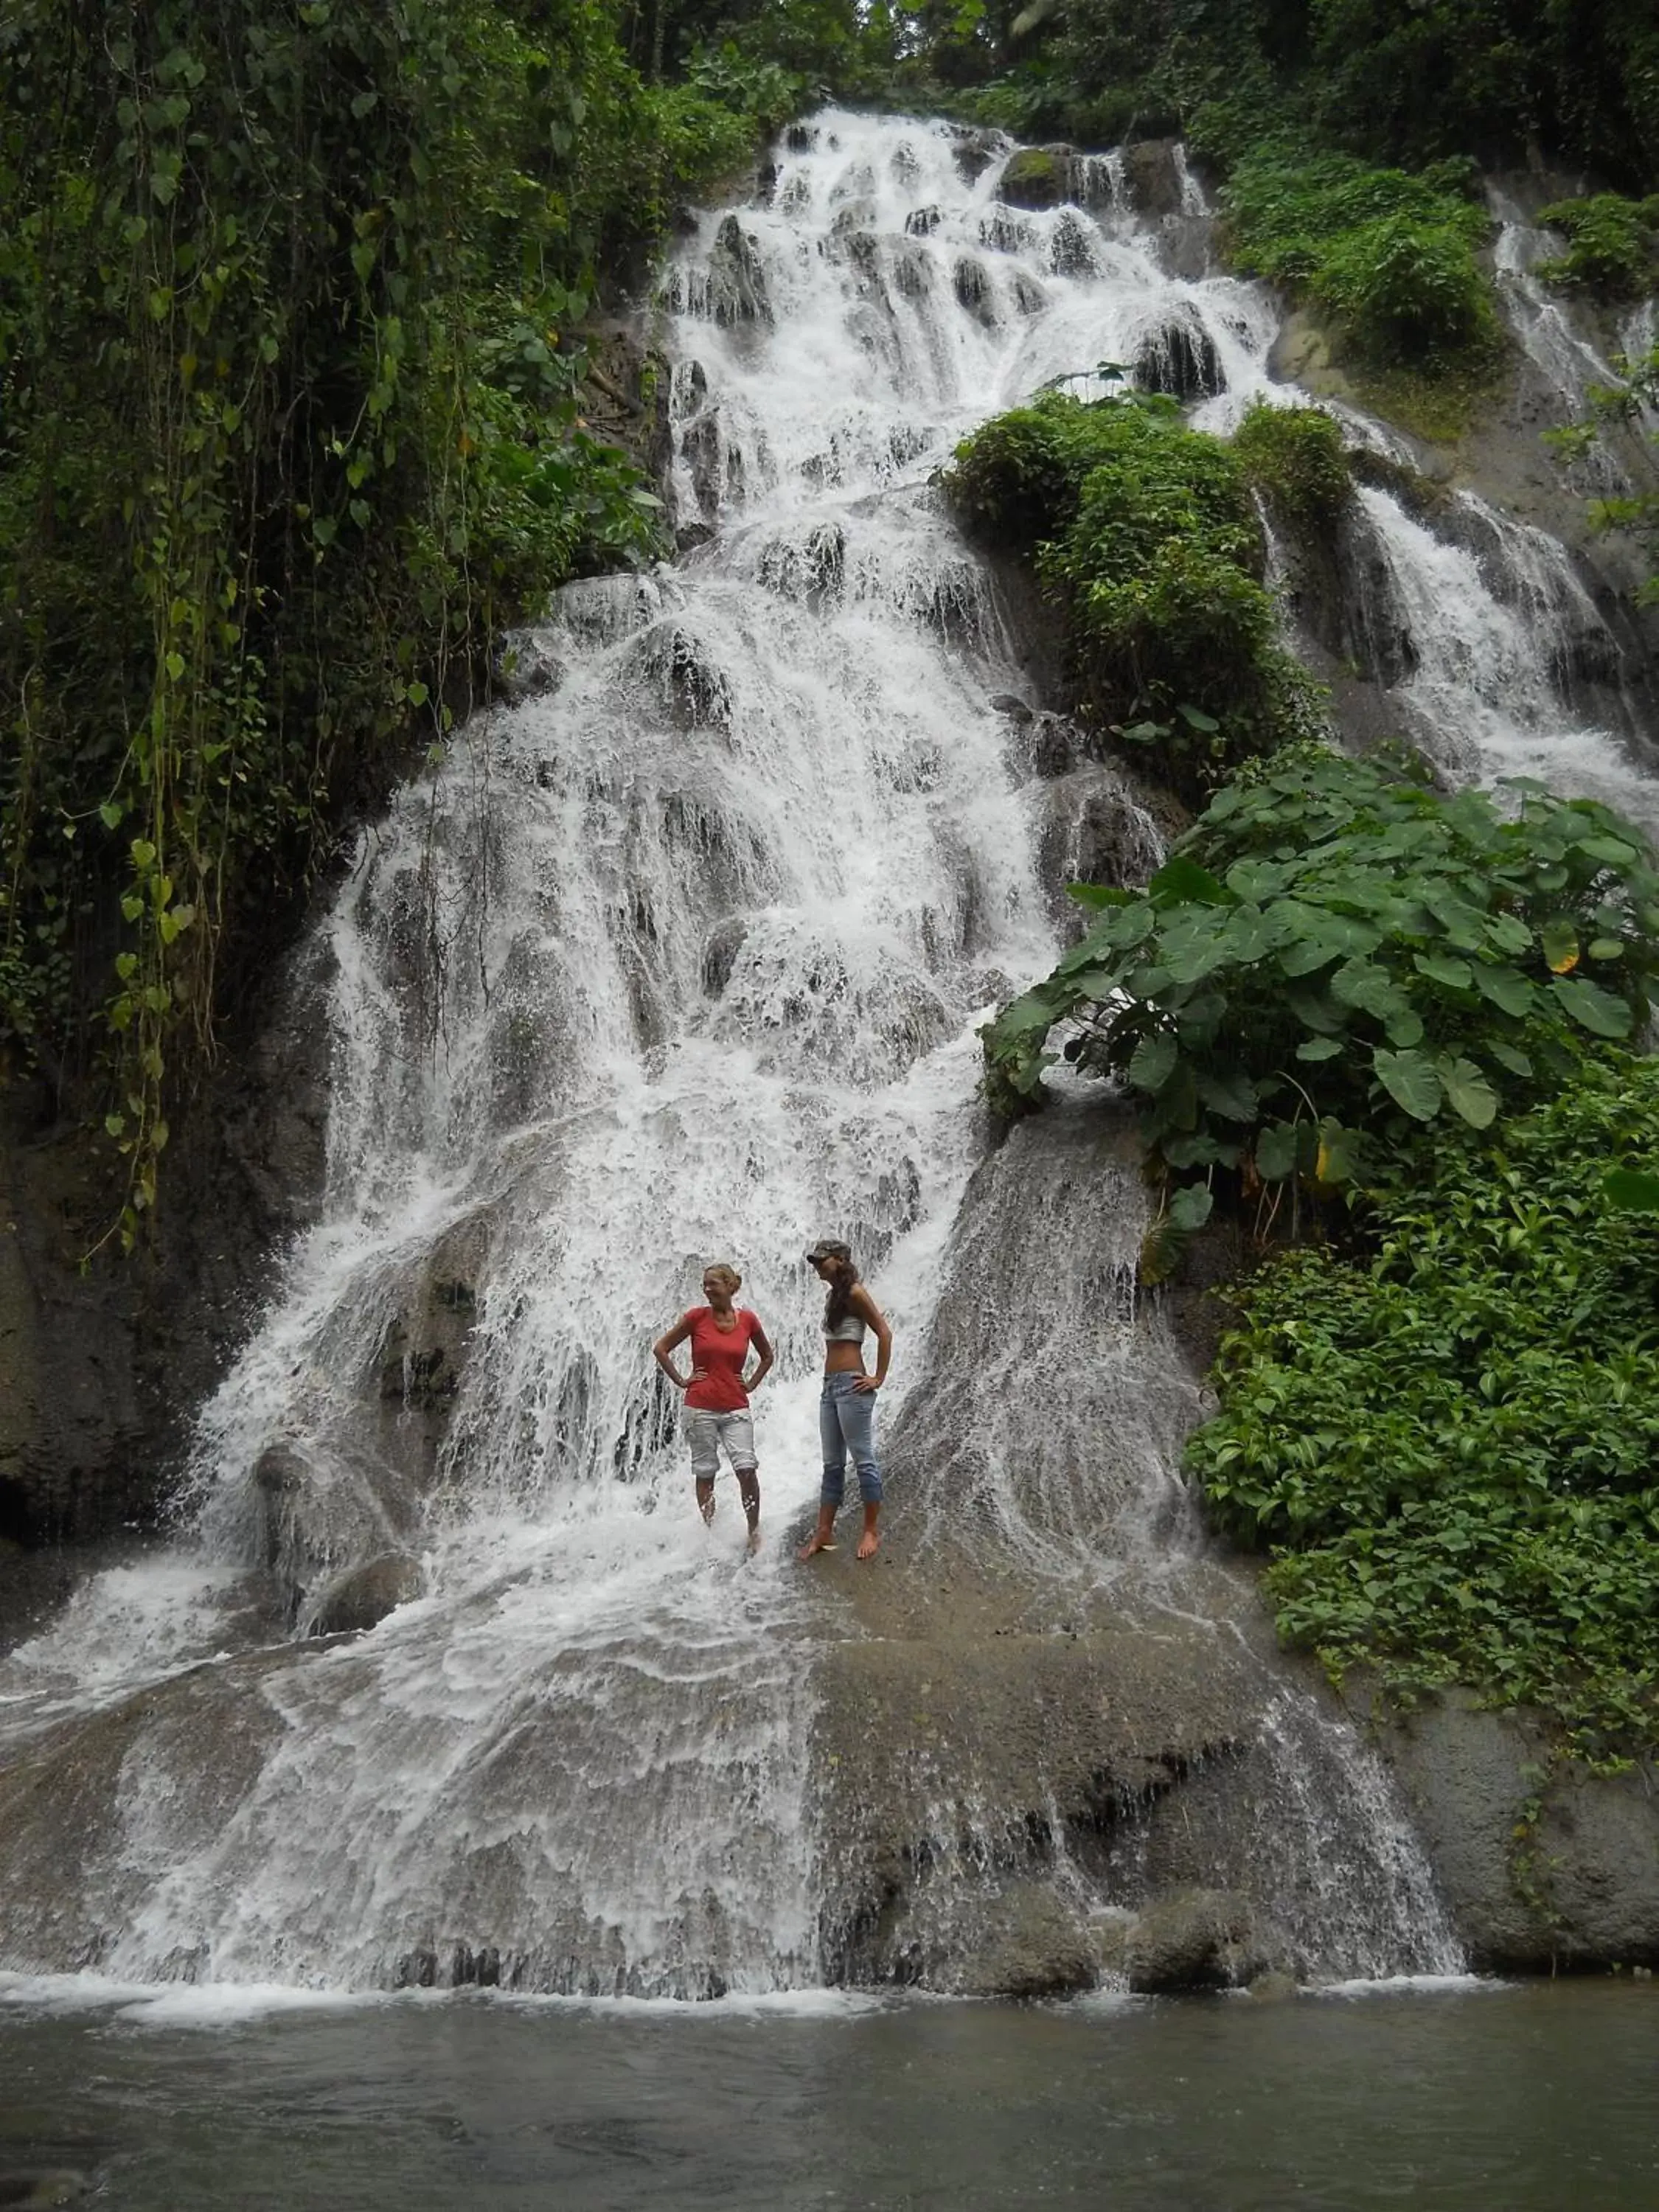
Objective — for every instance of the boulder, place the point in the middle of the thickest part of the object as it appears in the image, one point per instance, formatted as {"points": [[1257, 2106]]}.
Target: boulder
{"points": [[1037, 177], [526, 666], [362, 1597], [1193, 1939], [974, 151], [720, 952], [1023, 1942], [31, 2188], [1541, 1864], [1180, 359], [1152, 177]]}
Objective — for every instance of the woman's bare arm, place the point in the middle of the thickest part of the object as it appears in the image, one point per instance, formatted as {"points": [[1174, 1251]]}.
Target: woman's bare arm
{"points": [[761, 1343], [665, 1345], [862, 1303]]}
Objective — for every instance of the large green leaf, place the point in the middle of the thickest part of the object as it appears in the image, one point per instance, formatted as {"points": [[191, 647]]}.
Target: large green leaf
{"points": [[1443, 968], [1182, 882], [1362, 983], [1509, 1055], [1337, 1160], [1471, 1096], [1152, 1062], [1410, 1080], [1592, 1007], [1191, 1205], [1319, 1047], [1098, 896], [1506, 987], [1229, 1093]]}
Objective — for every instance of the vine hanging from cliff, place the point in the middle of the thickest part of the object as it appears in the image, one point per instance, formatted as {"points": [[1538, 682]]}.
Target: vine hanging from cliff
{"points": [[289, 419]]}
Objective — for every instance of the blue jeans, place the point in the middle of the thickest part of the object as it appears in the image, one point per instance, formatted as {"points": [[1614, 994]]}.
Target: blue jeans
{"points": [[846, 1422]]}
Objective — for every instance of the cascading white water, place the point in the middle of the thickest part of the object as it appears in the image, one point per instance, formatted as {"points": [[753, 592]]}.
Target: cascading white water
{"points": [[680, 960]]}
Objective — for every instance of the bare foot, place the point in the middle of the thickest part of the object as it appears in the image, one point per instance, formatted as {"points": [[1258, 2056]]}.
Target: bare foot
{"points": [[815, 1543], [869, 1545], [754, 1542]]}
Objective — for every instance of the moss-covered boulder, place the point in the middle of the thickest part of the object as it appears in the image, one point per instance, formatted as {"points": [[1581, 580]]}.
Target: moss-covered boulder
{"points": [[1037, 177]]}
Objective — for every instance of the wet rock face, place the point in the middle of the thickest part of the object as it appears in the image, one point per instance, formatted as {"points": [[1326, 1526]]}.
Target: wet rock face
{"points": [[1537, 1875], [737, 277], [1152, 173], [102, 1358], [362, 1598], [1181, 361], [1193, 1939]]}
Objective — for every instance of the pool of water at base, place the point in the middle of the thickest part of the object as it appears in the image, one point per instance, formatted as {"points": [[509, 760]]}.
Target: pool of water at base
{"points": [[1504, 2099]]}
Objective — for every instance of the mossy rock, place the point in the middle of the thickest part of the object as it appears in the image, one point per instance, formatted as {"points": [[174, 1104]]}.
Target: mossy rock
{"points": [[1037, 177]]}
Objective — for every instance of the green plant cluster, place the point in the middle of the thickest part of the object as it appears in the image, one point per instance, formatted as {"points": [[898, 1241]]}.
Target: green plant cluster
{"points": [[1400, 82], [1334, 955], [1146, 532], [1295, 458], [1613, 245], [1390, 257], [1451, 1443], [291, 417]]}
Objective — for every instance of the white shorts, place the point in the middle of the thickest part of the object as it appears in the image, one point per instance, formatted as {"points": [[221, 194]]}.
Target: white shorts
{"points": [[706, 1431]]}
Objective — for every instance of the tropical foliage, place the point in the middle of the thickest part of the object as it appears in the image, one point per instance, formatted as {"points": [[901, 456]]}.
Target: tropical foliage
{"points": [[1391, 258], [1613, 245], [1144, 533], [1450, 1444], [1334, 954], [291, 417]]}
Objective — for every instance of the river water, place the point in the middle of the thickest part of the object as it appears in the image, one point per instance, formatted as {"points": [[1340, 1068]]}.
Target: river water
{"points": [[1520, 2100]]}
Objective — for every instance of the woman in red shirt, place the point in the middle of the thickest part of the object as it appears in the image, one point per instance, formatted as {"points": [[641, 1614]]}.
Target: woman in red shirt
{"points": [[716, 1393]]}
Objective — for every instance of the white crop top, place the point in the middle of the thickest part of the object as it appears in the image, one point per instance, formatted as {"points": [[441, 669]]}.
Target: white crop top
{"points": [[849, 1330]]}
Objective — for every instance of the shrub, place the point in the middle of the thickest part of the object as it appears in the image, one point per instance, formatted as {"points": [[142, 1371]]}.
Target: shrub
{"points": [[1391, 256], [1452, 1443], [1613, 245], [1295, 458], [1336, 955], [1146, 532]]}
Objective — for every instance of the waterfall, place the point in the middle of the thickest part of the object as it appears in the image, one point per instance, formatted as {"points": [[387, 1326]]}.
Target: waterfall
{"points": [[680, 959]]}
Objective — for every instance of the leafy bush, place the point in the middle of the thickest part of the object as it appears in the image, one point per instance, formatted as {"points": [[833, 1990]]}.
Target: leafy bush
{"points": [[1146, 532], [1334, 955], [1453, 1444], [1295, 458], [1391, 256], [1613, 245]]}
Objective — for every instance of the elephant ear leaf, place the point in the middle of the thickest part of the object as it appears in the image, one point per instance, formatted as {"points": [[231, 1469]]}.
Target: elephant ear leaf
{"points": [[1191, 1205], [1410, 1080], [1152, 1062], [1471, 1096]]}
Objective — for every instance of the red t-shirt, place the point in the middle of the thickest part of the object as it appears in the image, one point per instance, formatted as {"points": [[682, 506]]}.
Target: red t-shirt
{"points": [[722, 1353]]}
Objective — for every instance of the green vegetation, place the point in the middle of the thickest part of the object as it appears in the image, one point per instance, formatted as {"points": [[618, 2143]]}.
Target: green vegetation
{"points": [[1397, 81], [1295, 458], [1334, 955], [1630, 404], [1146, 532], [291, 419], [1451, 1442], [1389, 257], [1613, 245]]}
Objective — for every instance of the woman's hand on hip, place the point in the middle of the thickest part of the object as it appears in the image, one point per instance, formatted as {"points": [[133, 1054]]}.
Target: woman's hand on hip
{"points": [[866, 1382]]}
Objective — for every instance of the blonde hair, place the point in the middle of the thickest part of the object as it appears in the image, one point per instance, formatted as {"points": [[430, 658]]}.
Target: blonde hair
{"points": [[724, 1268]]}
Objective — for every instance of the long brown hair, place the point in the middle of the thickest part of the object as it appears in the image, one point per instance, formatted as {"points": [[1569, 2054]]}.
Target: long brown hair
{"points": [[839, 1304]]}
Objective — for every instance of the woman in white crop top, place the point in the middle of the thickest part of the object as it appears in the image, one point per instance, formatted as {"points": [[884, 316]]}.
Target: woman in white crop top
{"points": [[846, 1406]]}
